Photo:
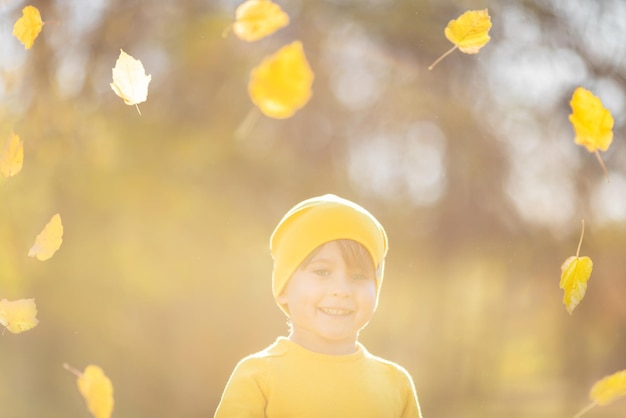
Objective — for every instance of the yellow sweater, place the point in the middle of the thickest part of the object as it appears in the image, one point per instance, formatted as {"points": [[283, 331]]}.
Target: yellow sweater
{"points": [[288, 381]]}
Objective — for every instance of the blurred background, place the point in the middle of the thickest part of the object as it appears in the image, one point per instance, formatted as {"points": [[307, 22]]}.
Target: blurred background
{"points": [[163, 278]]}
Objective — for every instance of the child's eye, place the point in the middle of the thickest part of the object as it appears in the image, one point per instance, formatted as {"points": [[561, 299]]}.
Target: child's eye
{"points": [[359, 277], [321, 272]]}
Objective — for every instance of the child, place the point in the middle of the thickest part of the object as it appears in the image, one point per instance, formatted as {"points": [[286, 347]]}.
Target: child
{"points": [[329, 258]]}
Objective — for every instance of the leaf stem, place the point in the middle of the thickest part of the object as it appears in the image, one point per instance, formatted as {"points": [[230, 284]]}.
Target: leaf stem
{"points": [[582, 234], [606, 173], [585, 409], [137, 106], [72, 370], [451, 50], [247, 123]]}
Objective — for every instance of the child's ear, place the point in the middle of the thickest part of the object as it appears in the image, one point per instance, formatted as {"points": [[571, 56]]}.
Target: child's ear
{"points": [[282, 298]]}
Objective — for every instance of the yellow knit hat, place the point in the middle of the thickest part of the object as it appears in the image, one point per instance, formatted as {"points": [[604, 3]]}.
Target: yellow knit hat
{"points": [[316, 221]]}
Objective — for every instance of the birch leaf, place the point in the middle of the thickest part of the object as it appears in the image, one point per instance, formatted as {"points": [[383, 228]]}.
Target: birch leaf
{"points": [[97, 390], [256, 19], [130, 81], [12, 157], [592, 123], [49, 239], [281, 83], [28, 27], [575, 272], [18, 315], [609, 388], [605, 391], [469, 33]]}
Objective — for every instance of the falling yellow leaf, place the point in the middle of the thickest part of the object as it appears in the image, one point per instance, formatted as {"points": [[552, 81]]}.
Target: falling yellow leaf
{"points": [[592, 122], [97, 390], [605, 391], [256, 19], [27, 27], [130, 81], [18, 315], [609, 388], [281, 84], [575, 272], [12, 157], [49, 239], [469, 33]]}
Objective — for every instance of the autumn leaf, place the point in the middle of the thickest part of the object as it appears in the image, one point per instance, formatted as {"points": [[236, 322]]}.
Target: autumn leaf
{"points": [[28, 27], [609, 388], [281, 84], [96, 388], [18, 315], [49, 239], [606, 390], [130, 81], [592, 122], [575, 272], [469, 33], [256, 19], [12, 157]]}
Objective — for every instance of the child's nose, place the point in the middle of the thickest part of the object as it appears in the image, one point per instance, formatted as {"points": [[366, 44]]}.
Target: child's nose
{"points": [[341, 285]]}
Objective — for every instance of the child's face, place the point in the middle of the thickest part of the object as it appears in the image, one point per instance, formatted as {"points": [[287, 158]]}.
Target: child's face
{"points": [[329, 302]]}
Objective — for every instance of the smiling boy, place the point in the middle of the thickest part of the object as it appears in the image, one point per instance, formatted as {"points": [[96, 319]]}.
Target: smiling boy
{"points": [[329, 256]]}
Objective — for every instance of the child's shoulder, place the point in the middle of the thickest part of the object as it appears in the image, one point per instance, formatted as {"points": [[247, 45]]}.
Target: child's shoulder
{"points": [[385, 364], [276, 349]]}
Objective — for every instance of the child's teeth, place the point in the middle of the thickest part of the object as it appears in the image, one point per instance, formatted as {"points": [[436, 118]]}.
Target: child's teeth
{"points": [[336, 311]]}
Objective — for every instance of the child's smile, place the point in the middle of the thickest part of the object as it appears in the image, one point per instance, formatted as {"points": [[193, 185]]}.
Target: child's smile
{"points": [[336, 311]]}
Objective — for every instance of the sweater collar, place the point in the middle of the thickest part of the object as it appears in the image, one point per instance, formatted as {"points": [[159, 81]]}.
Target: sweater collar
{"points": [[283, 345]]}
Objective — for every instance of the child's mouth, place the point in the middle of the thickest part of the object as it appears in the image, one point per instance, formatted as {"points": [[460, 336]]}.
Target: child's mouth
{"points": [[336, 311]]}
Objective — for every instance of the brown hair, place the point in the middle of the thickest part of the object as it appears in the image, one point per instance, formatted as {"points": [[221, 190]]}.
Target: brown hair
{"points": [[354, 254]]}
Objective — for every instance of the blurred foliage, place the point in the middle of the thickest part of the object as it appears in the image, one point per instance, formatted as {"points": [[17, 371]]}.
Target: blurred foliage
{"points": [[163, 278]]}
